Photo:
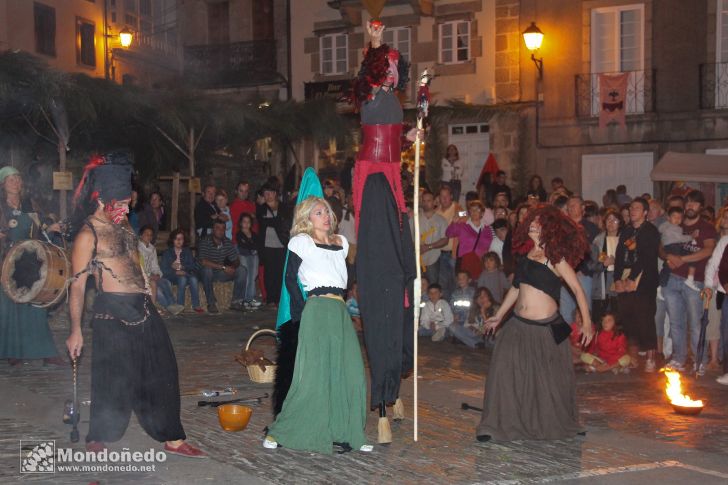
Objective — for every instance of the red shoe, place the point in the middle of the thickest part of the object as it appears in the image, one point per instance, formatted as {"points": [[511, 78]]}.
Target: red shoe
{"points": [[54, 361], [95, 446], [199, 310], [186, 450]]}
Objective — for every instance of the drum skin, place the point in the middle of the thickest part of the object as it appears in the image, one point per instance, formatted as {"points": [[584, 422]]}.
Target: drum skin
{"points": [[54, 274]]}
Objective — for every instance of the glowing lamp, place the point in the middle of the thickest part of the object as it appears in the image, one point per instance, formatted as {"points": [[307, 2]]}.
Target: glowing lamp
{"points": [[533, 37], [125, 37]]}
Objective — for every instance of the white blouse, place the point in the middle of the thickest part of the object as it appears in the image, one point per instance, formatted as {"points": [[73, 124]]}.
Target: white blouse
{"points": [[321, 266]]}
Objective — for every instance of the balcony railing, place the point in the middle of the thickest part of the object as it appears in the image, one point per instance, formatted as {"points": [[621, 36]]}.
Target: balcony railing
{"points": [[232, 65], [714, 86], [160, 42], [640, 96]]}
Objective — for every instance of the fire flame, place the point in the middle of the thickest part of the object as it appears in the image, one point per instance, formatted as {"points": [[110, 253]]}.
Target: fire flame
{"points": [[674, 391]]}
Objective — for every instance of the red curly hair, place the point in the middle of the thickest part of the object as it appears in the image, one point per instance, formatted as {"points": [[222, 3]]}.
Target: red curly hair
{"points": [[561, 238]]}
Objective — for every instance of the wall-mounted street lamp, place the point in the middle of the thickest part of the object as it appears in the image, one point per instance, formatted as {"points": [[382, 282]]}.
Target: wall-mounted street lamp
{"points": [[533, 37], [125, 37]]}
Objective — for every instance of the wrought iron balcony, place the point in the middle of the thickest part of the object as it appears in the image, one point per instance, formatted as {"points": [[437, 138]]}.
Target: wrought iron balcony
{"points": [[640, 96], [235, 64], [714, 86]]}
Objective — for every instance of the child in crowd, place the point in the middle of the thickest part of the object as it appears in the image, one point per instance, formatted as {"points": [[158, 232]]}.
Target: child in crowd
{"points": [[471, 331], [609, 350], [461, 297], [161, 288], [575, 338], [500, 228], [222, 203], [424, 285], [493, 276], [436, 315], [353, 306], [673, 241]]}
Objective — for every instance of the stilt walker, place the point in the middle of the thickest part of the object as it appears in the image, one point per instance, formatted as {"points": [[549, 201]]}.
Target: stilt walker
{"points": [[423, 105], [385, 263]]}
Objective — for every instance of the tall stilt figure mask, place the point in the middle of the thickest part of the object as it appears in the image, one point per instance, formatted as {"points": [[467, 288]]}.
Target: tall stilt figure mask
{"points": [[385, 264]]}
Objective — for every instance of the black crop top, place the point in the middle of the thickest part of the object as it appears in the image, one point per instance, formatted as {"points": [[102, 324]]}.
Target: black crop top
{"points": [[538, 275]]}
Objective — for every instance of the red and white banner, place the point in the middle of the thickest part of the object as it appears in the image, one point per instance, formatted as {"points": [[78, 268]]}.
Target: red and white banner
{"points": [[612, 98]]}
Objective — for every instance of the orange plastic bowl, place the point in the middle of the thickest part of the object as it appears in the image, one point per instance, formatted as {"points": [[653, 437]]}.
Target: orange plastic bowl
{"points": [[234, 417]]}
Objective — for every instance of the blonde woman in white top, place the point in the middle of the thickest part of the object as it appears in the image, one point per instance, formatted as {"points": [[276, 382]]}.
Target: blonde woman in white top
{"points": [[325, 406]]}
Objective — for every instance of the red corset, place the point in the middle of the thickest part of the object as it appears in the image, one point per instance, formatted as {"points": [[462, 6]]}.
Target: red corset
{"points": [[381, 143]]}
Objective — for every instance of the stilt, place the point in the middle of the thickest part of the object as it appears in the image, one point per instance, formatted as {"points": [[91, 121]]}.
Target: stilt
{"points": [[384, 432], [398, 410]]}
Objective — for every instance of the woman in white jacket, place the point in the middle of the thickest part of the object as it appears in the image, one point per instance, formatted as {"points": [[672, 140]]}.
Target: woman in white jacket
{"points": [[716, 278]]}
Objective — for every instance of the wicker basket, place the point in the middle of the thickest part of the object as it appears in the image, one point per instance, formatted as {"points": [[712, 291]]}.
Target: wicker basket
{"points": [[254, 371]]}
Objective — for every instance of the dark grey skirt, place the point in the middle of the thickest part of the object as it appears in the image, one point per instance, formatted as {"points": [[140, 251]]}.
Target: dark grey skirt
{"points": [[530, 389]]}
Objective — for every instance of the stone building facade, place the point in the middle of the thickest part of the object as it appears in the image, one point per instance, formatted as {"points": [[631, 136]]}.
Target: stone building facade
{"points": [[472, 45], [675, 53], [83, 36]]}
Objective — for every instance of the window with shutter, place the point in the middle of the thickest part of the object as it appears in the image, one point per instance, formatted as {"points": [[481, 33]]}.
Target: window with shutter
{"points": [[45, 29], [721, 56], [218, 23], [454, 42], [617, 45], [333, 51], [85, 42], [399, 38]]}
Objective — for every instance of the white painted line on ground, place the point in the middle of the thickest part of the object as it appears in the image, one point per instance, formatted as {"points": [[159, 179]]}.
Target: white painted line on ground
{"points": [[597, 472]]}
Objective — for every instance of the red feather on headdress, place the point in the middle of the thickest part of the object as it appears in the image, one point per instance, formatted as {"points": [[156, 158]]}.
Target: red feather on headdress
{"points": [[96, 161]]}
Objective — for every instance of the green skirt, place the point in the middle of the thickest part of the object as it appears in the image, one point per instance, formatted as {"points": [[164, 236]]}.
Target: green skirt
{"points": [[24, 331], [326, 402]]}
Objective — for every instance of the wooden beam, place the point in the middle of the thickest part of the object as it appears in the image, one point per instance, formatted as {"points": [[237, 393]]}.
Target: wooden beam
{"points": [[170, 178], [193, 197], [174, 223]]}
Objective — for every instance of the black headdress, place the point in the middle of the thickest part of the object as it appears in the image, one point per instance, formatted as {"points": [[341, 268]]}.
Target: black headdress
{"points": [[106, 177]]}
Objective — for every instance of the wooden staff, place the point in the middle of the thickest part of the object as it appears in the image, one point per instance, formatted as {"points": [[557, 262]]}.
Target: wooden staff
{"points": [[423, 102]]}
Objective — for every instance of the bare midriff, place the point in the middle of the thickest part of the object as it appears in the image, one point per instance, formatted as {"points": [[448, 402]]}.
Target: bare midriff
{"points": [[534, 304]]}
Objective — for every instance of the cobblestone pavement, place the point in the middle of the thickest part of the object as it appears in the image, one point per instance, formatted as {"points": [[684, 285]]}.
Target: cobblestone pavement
{"points": [[634, 436]]}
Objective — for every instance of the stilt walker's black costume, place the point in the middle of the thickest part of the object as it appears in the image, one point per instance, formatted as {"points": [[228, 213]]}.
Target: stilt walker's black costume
{"points": [[133, 364], [385, 264]]}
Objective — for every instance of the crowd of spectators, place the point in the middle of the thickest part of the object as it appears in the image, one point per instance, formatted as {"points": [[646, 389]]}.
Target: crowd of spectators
{"points": [[645, 271]]}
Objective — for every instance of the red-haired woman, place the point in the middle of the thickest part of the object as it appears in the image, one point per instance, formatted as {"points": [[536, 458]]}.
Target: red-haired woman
{"points": [[530, 392]]}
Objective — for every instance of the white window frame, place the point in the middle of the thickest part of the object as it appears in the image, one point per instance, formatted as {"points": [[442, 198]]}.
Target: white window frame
{"points": [[453, 42], [719, 32], [399, 36], [636, 83], [334, 59], [721, 65]]}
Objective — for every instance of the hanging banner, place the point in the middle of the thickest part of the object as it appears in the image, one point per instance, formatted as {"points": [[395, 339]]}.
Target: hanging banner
{"points": [[612, 98]]}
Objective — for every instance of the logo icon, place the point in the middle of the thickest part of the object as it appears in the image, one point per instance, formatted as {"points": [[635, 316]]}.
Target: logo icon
{"points": [[37, 456]]}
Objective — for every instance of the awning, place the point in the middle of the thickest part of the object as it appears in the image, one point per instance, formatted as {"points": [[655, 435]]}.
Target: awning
{"points": [[692, 167]]}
